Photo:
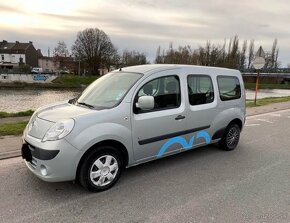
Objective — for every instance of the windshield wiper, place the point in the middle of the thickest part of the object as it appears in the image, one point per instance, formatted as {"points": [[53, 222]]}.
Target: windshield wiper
{"points": [[85, 104]]}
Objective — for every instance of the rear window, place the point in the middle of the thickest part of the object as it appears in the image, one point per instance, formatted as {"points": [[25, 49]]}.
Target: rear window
{"points": [[200, 89], [229, 88]]}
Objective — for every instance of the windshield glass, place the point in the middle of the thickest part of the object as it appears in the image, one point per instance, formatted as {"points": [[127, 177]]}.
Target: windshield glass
{"points": [[109, 90]]}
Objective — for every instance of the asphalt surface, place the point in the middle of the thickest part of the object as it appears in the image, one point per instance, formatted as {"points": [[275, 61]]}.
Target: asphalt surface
{"points": [[250, 184]]}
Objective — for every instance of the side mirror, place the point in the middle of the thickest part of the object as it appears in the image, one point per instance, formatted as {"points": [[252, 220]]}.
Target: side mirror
{"points": [[145, 102]]}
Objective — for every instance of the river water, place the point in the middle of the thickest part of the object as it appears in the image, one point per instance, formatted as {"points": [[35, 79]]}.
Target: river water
{"points": [[21, 100]]}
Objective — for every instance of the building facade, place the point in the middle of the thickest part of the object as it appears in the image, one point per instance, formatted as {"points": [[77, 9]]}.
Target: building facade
{"points": [[13, 55], [49, 64]]}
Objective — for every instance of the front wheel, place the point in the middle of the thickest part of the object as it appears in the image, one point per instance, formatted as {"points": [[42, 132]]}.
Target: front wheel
{"points": [[230, 138], [101, 169]]}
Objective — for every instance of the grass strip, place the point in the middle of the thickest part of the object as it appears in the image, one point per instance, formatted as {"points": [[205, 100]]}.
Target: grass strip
{"points": [[16, 128], [252, 86], [267, 101], [74, 81], [15, 114]]}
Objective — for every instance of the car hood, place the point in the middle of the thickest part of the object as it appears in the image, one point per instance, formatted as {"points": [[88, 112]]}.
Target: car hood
{"points": [[60, 111], [46, 116]]}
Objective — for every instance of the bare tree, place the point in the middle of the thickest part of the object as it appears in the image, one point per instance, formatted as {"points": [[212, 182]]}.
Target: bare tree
{"points": [[243, 55], [61, 50], [251, 53], [131, 58], [277, 64], [272, 58], [158, 58], [94, 47]]}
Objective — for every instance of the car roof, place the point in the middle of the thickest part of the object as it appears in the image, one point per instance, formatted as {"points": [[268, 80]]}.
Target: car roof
{"points": [[149, 69]]}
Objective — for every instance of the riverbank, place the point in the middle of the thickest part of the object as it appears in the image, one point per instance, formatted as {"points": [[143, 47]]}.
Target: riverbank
{"points": [[62, 82], [252, 86], [78, 82]]}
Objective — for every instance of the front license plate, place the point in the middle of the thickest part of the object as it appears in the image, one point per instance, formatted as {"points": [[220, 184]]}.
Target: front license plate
{"points": [[26, 153]]}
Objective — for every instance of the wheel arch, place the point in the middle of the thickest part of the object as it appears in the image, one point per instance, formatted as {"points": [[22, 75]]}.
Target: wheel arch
{"points": [[220, 133], [236, 121], [121, 148]]}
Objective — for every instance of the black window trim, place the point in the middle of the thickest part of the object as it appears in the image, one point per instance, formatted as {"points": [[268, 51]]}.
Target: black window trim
{"points": [[232, 98], [201, 75], [135, 111]]}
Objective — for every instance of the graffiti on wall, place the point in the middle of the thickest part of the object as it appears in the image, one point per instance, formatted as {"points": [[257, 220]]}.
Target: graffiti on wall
{"points": [[40, 77]]}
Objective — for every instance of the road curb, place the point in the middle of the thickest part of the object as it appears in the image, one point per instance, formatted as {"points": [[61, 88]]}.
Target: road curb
{"points": [[10, 154]]}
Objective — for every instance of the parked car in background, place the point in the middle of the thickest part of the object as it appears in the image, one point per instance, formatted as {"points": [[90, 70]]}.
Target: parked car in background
{"points": [[131, 116], [37, 70]]}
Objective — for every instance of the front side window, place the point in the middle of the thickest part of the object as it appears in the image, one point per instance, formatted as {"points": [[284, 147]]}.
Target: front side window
{"points": [[200, 89], [109, 90], [166, 93], [229, 88]]}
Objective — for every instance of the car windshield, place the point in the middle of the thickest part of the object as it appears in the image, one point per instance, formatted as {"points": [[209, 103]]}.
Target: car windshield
{"points": [[108, 91]]}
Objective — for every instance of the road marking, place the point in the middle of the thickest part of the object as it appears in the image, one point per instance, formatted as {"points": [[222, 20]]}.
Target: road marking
{"points": [[276, 115], [264, 120], [250, 125]]}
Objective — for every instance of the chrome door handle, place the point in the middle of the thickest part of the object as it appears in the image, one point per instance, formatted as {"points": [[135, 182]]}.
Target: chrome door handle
{"points": [[179, 117]]}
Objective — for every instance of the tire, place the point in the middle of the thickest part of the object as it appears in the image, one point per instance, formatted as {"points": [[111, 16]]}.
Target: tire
{"points": [[230, 138], [101, 169]]}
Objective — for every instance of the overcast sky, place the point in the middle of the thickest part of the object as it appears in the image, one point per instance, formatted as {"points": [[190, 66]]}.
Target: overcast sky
{"points": [[144, 25]]}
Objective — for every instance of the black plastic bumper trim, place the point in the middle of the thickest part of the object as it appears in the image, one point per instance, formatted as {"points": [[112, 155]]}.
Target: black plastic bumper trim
{"points": [[29, 151]]}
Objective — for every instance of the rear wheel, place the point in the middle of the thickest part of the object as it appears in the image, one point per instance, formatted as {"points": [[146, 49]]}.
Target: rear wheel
{"points": [[230, 138], [101, 169]]}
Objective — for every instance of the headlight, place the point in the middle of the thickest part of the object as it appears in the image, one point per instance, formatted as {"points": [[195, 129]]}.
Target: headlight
{"points": [[59, 130]]}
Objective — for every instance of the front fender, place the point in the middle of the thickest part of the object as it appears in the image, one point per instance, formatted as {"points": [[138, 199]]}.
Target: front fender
{"points": [[101, 132]]}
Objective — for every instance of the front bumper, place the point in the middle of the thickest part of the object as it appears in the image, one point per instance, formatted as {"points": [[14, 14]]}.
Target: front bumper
{"points": [[52, 161]]}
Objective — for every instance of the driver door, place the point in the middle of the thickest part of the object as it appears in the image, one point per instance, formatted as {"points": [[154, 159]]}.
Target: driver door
{"points": [[151, 129]]}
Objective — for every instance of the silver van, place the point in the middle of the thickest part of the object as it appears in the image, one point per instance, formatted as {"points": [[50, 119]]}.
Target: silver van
{"points": [[131, 116]]}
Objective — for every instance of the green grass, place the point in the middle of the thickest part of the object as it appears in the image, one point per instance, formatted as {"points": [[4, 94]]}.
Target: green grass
{"points": [[15, 114], [267, 101], [73, 80], [12, 128], [252, 86]]}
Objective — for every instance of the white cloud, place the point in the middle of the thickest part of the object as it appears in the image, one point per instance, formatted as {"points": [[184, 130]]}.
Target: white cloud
{"points": [[143, 25]]}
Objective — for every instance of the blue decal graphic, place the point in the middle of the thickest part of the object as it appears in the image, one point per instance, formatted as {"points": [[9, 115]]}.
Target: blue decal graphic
{"points": [[40, 77], [182, 141], [204, 135]]}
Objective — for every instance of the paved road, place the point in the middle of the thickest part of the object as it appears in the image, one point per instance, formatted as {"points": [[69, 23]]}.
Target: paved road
{"points": [[250, 184]]}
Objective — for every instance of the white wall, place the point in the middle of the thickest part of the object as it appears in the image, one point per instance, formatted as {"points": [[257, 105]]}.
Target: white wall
{"points": [[27, 78], [12, 58]]}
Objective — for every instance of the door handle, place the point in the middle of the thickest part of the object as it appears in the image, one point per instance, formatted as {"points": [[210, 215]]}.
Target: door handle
{"points": [[179, 117]]}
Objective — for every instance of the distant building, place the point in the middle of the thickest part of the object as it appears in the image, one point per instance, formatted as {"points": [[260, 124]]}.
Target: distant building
{"points": [[59, 64], [67, 64], [49, 64], [14, 54]]}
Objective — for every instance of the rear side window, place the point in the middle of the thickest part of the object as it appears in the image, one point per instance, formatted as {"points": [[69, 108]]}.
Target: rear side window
{"points": [[229, 88], [200, 89]]}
